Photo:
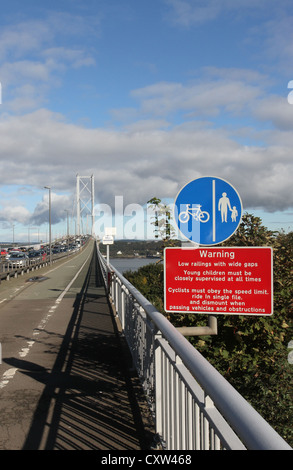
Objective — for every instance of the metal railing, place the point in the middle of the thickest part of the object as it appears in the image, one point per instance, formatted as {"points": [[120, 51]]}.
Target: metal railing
{"points": [[192, 405]]}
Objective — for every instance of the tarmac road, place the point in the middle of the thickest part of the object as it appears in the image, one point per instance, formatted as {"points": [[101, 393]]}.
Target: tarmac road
{"points": [[33, 320], [62, 373]]}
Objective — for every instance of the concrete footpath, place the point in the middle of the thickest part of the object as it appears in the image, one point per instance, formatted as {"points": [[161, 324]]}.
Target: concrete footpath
{"points": [[91, 400]]}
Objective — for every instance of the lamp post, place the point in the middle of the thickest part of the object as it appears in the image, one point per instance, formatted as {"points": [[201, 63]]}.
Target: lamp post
{"points": [[29, 234], [66, 210], [50, 241]]}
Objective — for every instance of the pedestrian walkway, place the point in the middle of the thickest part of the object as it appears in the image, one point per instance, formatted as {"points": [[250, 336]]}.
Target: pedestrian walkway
{"points": [[92, 400]]}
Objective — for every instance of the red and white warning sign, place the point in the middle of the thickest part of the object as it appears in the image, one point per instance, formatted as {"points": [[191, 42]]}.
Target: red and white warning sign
{"points": [[219, 280]]}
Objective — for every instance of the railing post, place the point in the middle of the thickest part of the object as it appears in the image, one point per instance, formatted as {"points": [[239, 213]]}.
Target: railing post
{"points": [[122, 314], [158, 384]]}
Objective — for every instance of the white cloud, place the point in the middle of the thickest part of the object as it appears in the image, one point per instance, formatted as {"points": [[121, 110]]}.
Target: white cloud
{"points": [[187, 13], [14, 213], [175, 132], [59, 204], [140, 164], [21, 38], [73, 57], [32, 61], [278, 36], [268, 24], [275, 110], [207, 96]]}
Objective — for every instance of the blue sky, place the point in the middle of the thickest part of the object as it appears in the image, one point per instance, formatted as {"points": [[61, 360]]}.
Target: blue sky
{"points": [[145, 95]]}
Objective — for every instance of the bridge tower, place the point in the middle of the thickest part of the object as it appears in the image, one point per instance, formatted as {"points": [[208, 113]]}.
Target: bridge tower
{"points": [[85, 197]]}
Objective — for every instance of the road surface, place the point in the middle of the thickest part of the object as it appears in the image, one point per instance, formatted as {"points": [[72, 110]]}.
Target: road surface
{"points": [[65, 381]]}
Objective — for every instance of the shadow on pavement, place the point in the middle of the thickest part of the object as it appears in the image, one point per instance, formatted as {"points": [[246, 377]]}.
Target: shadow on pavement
{"points": [[90, 401]]}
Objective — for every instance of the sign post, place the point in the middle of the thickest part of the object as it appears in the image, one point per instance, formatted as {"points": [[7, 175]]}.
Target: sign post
{"points": [[108, 239]]}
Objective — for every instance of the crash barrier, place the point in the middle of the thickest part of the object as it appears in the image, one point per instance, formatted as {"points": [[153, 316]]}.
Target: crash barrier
{"points": [[9, 269], [193, 406]]}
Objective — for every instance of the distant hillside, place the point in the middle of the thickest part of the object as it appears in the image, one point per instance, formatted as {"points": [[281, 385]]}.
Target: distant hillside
{"points": [[133, 248]]}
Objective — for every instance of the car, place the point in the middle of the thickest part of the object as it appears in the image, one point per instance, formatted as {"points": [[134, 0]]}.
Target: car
{"points": [[13, 253], [38, 255], [43, 255], [18, 259], [34, 255]]}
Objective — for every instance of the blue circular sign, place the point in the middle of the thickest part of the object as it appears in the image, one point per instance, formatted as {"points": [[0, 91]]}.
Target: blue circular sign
{"points": [[208, 210]]}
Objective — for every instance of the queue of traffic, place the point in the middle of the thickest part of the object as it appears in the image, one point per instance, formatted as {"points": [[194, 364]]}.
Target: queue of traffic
{"points": [[16, 259]]}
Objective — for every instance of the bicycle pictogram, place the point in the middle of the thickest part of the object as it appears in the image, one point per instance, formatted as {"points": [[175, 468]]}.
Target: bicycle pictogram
{"points": [[195, 212]]}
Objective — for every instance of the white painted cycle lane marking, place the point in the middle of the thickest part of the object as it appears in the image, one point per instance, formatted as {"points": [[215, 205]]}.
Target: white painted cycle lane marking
{"points": [[7, 376], [10, 373]]}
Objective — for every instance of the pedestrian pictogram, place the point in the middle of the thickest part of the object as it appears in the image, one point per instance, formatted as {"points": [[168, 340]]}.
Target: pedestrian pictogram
{"points": [[208, 210]]}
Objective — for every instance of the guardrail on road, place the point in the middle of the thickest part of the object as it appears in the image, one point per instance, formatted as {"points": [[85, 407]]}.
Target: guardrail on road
{"points": [[10, 269]]}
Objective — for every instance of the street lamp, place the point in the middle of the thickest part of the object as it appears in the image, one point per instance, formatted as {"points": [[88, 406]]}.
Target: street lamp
{"points": [[50, 248], [28, 234], [66, 210]]}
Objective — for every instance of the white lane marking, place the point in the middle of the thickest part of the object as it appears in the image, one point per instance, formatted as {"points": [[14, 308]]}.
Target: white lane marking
{"points": [[24, 352], [10, 373], [70, 284]]}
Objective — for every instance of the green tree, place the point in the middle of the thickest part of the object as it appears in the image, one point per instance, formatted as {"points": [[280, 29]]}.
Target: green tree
{"points": [[162, 219], [149, 281]]}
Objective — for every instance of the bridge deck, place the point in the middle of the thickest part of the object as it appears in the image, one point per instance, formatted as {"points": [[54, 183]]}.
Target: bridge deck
{"points": [[98, 402]]}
